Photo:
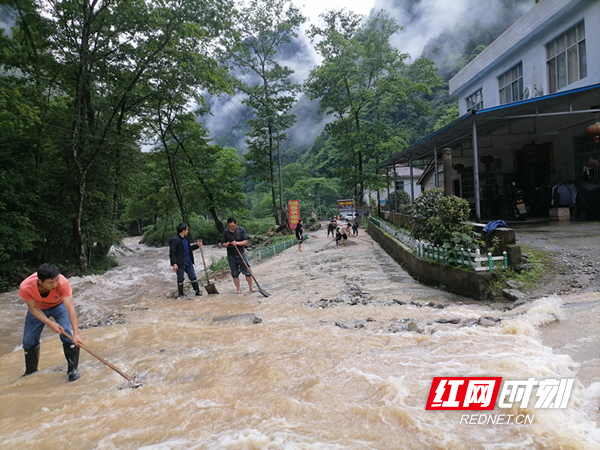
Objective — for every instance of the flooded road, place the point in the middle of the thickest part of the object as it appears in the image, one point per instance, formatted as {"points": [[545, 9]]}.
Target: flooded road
{"points": [[332, 364]]}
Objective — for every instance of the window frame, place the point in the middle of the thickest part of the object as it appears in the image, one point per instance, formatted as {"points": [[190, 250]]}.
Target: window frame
{"points": [[510, 85], [475, 104], [566, 58]]}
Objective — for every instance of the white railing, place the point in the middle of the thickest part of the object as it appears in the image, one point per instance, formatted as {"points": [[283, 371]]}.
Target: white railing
{"points": [[462, 257], [466, 258]]}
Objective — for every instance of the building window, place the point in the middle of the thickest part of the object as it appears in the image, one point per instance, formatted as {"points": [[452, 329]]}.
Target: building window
{"points": [[400, 185], [475, 101], [566, 60], [511, 85]]}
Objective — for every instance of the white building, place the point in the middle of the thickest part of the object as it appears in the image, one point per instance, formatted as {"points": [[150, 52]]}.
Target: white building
{"points": [[404, 180], [525, 105]]}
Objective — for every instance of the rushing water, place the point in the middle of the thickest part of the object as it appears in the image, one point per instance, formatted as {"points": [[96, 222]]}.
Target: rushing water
{"points": [[331, 366]]}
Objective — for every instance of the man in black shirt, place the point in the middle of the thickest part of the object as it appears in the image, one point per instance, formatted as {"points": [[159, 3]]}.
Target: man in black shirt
{"points": [[234, 236]]}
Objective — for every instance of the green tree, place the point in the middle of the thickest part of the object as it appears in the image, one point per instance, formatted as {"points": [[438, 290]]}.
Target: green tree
{"points": [[214, 172], [362, 82], [93, 66], [264, 27]]}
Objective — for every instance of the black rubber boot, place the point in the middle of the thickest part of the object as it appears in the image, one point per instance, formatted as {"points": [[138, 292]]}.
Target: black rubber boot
{"points": [[180, 290], [72, 356], [196, 288], [32, 358]]}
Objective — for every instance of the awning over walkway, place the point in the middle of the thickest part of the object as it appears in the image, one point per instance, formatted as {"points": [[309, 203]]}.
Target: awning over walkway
{"points": [[510, 124]]}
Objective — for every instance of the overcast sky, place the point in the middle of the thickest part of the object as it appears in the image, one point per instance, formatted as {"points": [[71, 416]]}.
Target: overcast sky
{"points": [[312, 8]]}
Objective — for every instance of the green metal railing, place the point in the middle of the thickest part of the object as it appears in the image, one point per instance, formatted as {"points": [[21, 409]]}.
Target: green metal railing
{"points": [[273, 250]]}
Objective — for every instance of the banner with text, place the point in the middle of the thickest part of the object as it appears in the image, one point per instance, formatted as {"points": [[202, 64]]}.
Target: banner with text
{"points": [[294, 211]]}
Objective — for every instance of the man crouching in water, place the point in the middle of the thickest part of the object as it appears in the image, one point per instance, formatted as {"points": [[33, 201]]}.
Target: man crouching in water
{"points": [[48, 294]]}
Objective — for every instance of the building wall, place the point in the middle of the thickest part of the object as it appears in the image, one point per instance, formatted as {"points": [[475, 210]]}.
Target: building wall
{"points": [[525, 42], [384, 193]]}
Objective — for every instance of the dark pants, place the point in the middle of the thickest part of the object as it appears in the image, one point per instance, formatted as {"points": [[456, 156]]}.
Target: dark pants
{"points": [[237, 265], [189, 269]]}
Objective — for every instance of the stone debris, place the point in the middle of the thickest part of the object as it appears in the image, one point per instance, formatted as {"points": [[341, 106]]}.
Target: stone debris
{"points": [[513, 294], [486, 322], [453, 321], [248, 319], [113, 319], [514, 284]]}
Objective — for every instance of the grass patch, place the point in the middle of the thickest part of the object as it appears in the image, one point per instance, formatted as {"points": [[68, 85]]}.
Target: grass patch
{"points": [[541, 266]]}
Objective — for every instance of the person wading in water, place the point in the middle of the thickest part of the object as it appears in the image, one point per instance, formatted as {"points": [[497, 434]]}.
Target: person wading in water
{"points": [[48, 294]]}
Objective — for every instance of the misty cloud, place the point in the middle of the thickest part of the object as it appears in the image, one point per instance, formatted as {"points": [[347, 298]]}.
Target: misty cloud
{"points": [[426, 19], [422, 20]]}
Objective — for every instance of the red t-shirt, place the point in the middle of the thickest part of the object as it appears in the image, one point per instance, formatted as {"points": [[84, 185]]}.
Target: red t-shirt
{"points": [[29, 291]]}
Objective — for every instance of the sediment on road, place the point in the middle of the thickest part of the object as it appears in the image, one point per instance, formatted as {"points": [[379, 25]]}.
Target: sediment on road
{"points": [[476, 285]]}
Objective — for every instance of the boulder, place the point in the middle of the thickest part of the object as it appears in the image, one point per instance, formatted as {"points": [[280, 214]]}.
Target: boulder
{"points": [[483, 322], [513, 294], [249, 319]]}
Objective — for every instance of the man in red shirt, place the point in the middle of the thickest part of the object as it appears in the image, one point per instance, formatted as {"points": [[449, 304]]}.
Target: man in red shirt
{"points": [[48, 294]]}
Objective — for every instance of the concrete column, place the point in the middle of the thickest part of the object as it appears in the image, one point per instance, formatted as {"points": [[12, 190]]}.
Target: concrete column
{"points": [[436, 175], [448, 184], [476, 174]]}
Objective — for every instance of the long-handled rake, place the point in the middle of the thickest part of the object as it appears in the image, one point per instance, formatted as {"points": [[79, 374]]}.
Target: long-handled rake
{"points": [[262, 291]]}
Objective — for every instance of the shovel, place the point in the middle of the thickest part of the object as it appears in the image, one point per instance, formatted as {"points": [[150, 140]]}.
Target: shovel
{"points": [[265, 293], [134, 382], [210, 287]]}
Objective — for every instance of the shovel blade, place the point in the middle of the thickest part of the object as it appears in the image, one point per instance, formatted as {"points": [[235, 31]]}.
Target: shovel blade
{"points": [[263, 292], [211, 288]]}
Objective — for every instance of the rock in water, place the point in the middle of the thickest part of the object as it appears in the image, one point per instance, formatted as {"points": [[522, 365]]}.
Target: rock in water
{"points": [[249, 319]]}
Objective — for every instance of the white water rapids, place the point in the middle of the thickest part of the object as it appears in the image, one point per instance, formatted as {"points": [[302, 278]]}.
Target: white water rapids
{"points": [[299, 379]]}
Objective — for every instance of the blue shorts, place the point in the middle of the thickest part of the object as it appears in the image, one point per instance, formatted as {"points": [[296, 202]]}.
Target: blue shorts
{"points": [[237, 265]]}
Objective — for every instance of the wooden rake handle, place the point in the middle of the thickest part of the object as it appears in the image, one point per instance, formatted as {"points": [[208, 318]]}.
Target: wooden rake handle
{"points": [[123, 374], [204, 264]]}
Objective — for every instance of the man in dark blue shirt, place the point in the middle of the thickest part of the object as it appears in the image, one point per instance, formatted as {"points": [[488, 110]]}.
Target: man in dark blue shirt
{"points": [[182, 258]]}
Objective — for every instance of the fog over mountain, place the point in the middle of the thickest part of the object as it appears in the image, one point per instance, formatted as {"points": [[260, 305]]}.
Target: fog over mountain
{"points": [[424, 20], [441, 30], [446, 31]]}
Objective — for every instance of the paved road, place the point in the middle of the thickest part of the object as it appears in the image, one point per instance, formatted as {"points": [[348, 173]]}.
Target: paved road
{"points": [[574, 248]]}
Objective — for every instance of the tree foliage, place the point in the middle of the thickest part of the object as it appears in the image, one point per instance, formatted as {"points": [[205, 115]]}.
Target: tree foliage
{"points": [[264, 27], [363, 81], [84, 75]]}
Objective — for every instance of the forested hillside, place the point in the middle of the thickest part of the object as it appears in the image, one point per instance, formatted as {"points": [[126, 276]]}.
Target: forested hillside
{"points": [[128, 117]]}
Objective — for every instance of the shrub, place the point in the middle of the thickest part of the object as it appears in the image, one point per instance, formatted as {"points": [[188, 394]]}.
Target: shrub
{"points": [[403, 199], [440, 219]]}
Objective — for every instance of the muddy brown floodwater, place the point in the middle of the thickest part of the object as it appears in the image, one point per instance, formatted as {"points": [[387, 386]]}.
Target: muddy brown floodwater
{"points": [[333, 364]]}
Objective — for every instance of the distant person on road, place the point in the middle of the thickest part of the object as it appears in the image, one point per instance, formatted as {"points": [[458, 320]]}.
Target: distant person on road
{"points": [[235, 240], [331, 227], [338, 236], [181, 257], [345, 232], [354, 228], [300, 234], [48, 294]]}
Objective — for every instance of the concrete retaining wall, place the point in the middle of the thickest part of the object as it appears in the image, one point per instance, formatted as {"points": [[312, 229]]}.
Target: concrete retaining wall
{"points": [[507, 236], [468, 283]]}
